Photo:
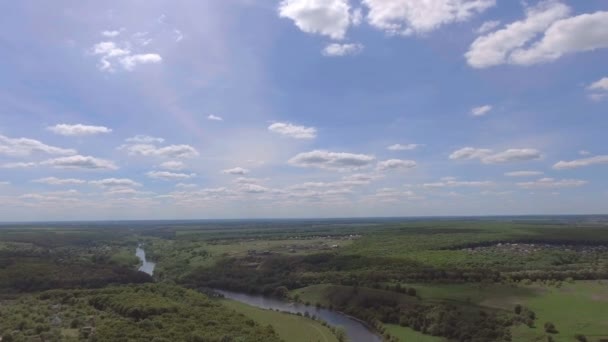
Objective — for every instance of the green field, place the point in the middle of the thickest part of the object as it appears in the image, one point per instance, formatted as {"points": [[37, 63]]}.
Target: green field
{"points": [[289, 327]]}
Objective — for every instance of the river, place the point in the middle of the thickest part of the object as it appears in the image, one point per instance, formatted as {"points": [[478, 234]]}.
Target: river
{"points": [[146, 266], [355, 330]]}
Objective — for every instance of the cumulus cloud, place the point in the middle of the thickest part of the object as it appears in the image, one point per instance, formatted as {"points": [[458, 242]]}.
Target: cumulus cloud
{"points": [[407, 17], [481, 110], [78, 129], [326, 17], [111, 33], [170, 176], [337, 50], [293, 131], [236, 171], [80, 162], [585, 32], [487, 156], [339, 161], [18, 165], [573, 164], [396, 164], [400, 147], [115, 182], [171, 151], [131, 61], [468, 153], [174, 165], [59, 181], [559, 35], [110, 53], [523, 173], [599, 89], [551, 183], [214, 118], [20, 147]]}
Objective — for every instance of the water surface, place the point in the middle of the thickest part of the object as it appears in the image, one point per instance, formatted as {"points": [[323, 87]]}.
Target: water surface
{"points": [[146, 266]]}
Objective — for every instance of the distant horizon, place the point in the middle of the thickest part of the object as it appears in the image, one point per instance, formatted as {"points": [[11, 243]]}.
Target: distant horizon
{"points": [[392, 218]]}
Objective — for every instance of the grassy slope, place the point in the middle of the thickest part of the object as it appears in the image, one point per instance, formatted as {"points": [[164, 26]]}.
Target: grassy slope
{"points": [[291, 328]]}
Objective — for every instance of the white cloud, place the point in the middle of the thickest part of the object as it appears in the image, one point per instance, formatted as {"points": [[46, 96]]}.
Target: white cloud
{"points": [[585, 32], [112, 33], [78, 129], [5, 183], [561, 165], [599, 89], [495, 48], [601, 84], [19, 147], [481, 110], [144, 139], [512, 155], [487, 156], [59, 181], [360, 178], [396, 164], [110, 52], [326, 17], [174, 165], [339, 161], [169, 176], [236, 171], [551, 183], [407, 17], [337, 50], [214, 118], [487, 26], [115, 182], [400, 147], [171, 151], [561, 35], [131, 61], [109, 49], [293, 131], [523, 173], [178, 35], [18, 165], [450, 182], [468, 153], [80, 162]]}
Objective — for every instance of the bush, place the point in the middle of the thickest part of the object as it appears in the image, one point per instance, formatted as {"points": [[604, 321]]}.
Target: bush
{"points": [[580, 337], [550, 328]]}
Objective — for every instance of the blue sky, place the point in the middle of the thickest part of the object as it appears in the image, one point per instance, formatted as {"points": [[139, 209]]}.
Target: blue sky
{"points": [[302, 108]]}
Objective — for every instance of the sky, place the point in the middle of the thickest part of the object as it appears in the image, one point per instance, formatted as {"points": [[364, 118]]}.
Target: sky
{"points": [[155, 109]]}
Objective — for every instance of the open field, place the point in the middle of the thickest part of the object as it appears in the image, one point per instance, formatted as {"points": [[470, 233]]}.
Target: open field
{"points": [[289, 327]]}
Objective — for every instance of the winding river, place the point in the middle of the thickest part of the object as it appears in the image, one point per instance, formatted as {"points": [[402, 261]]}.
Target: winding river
{"points": [[146, 266], [355, 330]]}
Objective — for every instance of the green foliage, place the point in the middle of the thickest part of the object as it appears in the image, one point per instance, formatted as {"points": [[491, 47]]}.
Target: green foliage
{"points": [[131, 313]]}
